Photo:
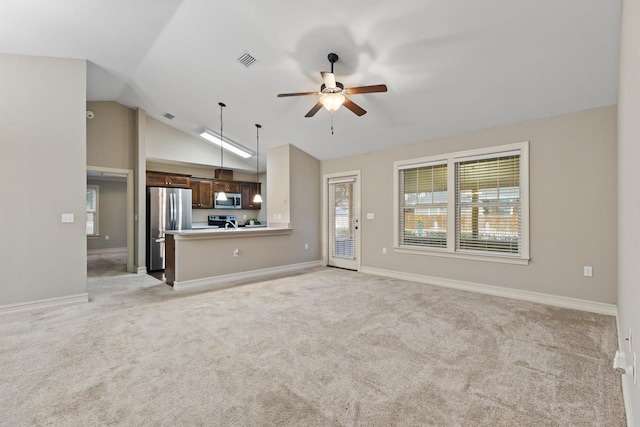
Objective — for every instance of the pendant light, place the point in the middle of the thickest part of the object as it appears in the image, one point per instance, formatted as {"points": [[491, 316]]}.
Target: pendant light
{"points": [[257, 198], [222, 196]]}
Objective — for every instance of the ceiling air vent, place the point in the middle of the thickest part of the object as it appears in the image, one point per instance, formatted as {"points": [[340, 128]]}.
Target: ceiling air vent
{"points": [[168, 116], [246, 59]]}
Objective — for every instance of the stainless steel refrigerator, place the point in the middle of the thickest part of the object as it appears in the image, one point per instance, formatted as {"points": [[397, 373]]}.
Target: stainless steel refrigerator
{"points": [[167, 209]]}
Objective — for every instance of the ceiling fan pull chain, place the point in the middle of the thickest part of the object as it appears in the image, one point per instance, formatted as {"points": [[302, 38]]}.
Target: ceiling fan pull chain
{"points": [[332, 122]]}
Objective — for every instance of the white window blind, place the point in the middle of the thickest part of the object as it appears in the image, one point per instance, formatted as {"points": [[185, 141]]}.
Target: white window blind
{"points": [[423, 206], [471, 204], [488, 209]]}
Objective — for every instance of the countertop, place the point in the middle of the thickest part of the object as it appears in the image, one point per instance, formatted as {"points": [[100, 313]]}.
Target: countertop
{"points": [[217, 233]]}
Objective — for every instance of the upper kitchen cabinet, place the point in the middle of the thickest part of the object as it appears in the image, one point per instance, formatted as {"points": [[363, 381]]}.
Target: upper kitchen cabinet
{"points": [[163, 179], [249, 191], [226, 186], [202, 193]]}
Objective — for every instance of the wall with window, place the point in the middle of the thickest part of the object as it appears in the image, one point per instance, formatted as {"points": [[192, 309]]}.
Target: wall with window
{"points": [[111, 218], [572, 207]]}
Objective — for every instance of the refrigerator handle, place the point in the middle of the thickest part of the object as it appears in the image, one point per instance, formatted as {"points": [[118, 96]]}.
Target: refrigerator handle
{"points": [[172, 206]]}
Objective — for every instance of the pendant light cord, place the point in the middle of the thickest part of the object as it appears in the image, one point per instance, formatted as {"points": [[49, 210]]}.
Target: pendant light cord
{"points": [[221, 104], [257, 149]]}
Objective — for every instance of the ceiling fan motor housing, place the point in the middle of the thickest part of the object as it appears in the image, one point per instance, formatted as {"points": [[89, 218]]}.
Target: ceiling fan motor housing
{"points": [[338, 89]]}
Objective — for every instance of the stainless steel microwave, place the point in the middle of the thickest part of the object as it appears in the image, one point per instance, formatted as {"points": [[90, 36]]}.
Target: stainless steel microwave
{"points": [[234, 201]]}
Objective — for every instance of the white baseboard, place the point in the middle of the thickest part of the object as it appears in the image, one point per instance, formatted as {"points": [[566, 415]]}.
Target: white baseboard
{"points": [[219, 282], [141, 270], [555, 300], [106, 251], [45, 303], [622, 346]]}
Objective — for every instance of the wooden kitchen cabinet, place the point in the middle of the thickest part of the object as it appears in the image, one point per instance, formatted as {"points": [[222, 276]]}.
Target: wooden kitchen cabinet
{"points": [[202, 194], [163, 179], [249, 191], [226, 186]]}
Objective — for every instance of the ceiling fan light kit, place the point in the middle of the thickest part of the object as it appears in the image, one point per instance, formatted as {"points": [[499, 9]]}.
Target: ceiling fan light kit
{"points": [[333, 94], [332, 101]]}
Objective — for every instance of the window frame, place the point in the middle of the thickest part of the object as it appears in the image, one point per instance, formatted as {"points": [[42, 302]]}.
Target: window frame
{"points": [[96, 229], [451, 159]]}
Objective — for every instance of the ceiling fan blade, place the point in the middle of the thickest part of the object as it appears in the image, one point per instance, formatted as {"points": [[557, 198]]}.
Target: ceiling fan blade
{"points": [[366, 89], [359, 111], [329, 79], [314, 110], [280, 95]]}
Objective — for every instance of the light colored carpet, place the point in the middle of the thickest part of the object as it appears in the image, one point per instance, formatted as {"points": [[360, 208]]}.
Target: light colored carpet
{"points": [[325, 348]]}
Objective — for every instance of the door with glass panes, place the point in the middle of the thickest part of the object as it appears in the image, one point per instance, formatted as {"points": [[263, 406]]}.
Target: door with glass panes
{"points": [[344, 233]]}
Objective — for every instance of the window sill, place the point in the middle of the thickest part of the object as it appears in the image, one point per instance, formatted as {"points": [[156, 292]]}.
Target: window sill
{"points": [[93, 236], [503, 259]]}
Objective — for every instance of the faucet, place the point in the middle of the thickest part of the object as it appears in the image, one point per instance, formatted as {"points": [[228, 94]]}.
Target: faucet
{"points": [[234, 223]]}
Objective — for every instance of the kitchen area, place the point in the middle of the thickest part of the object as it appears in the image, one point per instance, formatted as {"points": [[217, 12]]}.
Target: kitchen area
{"points": [[182, 206], [288, 219]]}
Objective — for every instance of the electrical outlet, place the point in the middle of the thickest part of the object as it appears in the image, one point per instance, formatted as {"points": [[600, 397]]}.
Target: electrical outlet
{"points": [[244, 216], [106, 237], [236, 252], [67, 218], [588, 271], [370, 215], [306, 246], [384, 251]]}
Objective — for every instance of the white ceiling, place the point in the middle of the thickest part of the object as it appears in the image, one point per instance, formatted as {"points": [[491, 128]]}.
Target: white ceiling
{"points": [[451, 66]]}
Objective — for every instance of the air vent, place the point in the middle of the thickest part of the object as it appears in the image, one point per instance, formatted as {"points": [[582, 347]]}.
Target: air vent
{"points": [[168, 116], [246, 59]]}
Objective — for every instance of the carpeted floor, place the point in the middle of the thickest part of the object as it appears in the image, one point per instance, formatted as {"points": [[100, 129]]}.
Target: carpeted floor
{"points": [[325, 348]]}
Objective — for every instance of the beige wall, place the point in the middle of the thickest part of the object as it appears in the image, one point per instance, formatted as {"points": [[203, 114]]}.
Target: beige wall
{"points": [[111, 135], [572, 207], [112, 215], [628, 189], [278, 185], [42, 175]]}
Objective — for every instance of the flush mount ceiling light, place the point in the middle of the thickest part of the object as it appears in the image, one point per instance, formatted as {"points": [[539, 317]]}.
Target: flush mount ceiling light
{"points": [[232, 147]]}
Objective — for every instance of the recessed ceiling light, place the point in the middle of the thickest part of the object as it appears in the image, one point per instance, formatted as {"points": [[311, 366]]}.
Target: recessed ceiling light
{"points": [[227, 145]]}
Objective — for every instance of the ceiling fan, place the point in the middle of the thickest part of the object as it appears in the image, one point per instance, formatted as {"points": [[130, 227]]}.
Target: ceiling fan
{"points": [[333, 94]]}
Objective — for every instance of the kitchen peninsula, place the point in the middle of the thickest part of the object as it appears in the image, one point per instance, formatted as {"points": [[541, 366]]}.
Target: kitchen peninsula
{"points": [[208, 256]]}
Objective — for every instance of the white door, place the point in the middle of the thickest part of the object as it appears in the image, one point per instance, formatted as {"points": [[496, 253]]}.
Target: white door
{"points": [[343, 201]]}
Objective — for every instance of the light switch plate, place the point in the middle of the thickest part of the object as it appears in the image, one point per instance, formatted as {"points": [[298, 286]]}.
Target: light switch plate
{"points": [[67, 218], [588, 271]]}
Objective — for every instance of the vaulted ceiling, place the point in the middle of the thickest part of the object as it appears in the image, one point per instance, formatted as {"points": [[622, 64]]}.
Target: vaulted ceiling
{"points": [[450, 66]]}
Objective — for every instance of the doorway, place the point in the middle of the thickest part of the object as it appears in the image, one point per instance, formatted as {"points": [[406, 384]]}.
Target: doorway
{"points": [[106, 259], [342, 226]]}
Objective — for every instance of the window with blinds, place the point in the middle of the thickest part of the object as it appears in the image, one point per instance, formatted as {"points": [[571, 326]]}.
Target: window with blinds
{"points": [[423, 206], [465, 204], [488, 205]]}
